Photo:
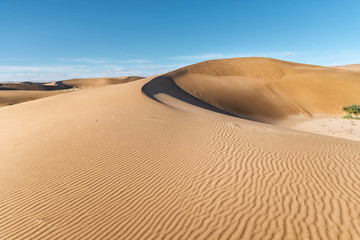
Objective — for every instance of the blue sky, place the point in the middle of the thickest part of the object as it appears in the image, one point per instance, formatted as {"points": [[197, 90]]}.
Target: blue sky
{"points": [[61, 39]]}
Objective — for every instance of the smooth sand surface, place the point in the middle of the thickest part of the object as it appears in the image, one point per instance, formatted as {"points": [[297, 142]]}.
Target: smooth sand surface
{"points": [[350, 67], [146, 160], [14, 93], [335, 126], [98, 82], [11, 97]]}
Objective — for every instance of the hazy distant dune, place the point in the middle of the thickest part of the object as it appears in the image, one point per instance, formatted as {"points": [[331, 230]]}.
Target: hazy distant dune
{"points": [[350, 67], [14, 93], [98, 82]]}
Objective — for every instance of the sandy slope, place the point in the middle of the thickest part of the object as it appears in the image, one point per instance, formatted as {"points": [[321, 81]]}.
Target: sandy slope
{"points": [[11, 97], [98, 82], [146, 160], [267, 89], [14, 93], [331, 125], [351, 67]]}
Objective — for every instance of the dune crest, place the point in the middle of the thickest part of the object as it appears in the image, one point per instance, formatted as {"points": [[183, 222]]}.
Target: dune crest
{"points": [[268, 90], [98, 82]]}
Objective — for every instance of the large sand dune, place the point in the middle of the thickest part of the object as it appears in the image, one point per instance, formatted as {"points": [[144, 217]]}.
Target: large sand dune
{"points": [[147, 160], [268, 89]]}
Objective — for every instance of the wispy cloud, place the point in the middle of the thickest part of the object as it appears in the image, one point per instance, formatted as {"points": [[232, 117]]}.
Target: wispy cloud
{"points": [[329, 58], [287, 54], [83, 60], [102, 60], [54, 73], [34, 77], [13, 59], [134, 61], [18, 69], [67, 68], [145, 70]]}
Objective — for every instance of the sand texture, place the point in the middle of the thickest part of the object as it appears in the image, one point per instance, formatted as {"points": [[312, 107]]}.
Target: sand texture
{"points": [[14, 93], [147, 160], [267, 89], [335, 126], [350, 67]]}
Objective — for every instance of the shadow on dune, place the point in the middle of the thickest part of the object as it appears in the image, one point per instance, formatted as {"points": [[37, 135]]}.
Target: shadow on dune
{"points": [[165, 84], [32, 86]]}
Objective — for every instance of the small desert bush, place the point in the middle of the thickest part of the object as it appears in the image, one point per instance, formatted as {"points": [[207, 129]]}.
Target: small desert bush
{"points": [[352, 111], [348, 116]]}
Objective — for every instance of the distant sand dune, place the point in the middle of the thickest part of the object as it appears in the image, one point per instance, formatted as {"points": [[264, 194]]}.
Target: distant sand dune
{"points": [[98, 82], [11, 97], [350, 67], [14, 93], [146, 160]]}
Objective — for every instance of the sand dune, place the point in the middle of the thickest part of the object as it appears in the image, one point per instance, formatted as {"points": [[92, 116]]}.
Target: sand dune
{"points": [[350, 67], [11, 97], [267, 89], [98, 82], [14, 93], [147, 160], [30, 86], [67, 84]]}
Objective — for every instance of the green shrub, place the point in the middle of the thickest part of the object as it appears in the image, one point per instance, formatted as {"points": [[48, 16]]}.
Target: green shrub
{"points": [[348, 116], [352, 111]]}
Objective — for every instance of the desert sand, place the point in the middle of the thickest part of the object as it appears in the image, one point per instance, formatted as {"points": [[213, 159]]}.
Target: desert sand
{"points": [[197, 153], [14, 93], [335, 126], [350, 67]]}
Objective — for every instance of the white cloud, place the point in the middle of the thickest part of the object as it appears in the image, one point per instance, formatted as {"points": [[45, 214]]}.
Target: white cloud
{"points": [[87, 68], [330, 58], [83, 60], [20, 77], [13, 59], [145, 70], [287, 54], [102, 60], [22, 69], [134, 61], [56, 73]]}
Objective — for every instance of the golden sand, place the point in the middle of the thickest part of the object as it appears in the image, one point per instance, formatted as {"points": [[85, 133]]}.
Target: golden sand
{"points": [[147, 160]]}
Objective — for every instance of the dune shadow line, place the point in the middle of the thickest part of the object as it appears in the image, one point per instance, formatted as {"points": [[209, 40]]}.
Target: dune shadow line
{"points": [[165, 84]]}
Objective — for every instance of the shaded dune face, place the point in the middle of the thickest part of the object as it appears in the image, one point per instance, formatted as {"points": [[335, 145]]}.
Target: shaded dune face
{"points": [[268, 90], [164, 85]]}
